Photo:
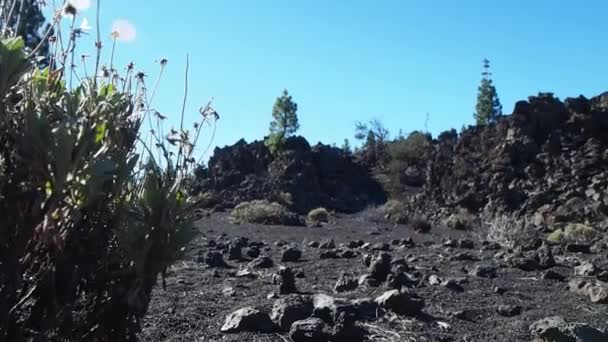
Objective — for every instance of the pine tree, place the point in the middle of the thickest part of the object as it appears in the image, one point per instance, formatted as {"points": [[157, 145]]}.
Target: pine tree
{"points": [[346, 147], [284, 123], [488, 106]]}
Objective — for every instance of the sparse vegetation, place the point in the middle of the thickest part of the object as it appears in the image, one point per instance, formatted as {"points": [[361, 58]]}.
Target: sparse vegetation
{"points": [[573, 232], [318, 216], [263, 212], [507, 230], [420, 224], [461, 220], [395, 211]]}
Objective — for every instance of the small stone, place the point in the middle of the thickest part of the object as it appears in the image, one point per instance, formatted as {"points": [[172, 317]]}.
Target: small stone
{"points": [[368, 280], [452, 284], [578, 248], [552, 275], [450, 243], [435, 280], [286, 280], [465, 315], [381, 247], [234, 252], [484, 271], [466, 244], [556, 329], [509, 310], [247, 319], [401, 303], [253, 252], [308, 330], [290, 309], [347, 254], [313, 244], [229, 292], [327, 244], [380, 266], [587, 269], [329, 254], [291, 254], [345, 283], [215, 259], [261, 262], [465, 256]]}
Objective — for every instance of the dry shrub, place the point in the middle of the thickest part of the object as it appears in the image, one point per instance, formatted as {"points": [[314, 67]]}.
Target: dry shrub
{"points": [[263, 212], [507, 230], [318, 216], [573, 232], [395, 211]]}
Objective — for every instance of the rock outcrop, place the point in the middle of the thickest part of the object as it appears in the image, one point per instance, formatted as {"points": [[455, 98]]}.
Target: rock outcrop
{"points": [[302, 176]]}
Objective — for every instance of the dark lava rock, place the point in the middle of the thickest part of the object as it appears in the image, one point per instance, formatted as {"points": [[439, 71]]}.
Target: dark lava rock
{"points": [[399, 265], [484, 271], [314, 244], [381, 247], [286, 280], [552, 275], [345, 283], [450, 243], [253, 252], [402, 303], [380, 266], [466, 244], [586, 269], [291, 254], [556, 329], [368, 280], [234, 252], [247, 319], [578, 248], [347, 254], [289, 309], [261, 262], [465, 256], [508, 310], [215, 259], [329, 254], [318, 176], [465, 315], [309, 330], [327, 244], [596, 292], [354, 244], [400, 279], [366, 308], [452, 284], [333, 310]]}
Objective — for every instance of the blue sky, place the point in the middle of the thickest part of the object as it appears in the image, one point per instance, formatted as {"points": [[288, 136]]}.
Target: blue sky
{"points": [[349, 60]]}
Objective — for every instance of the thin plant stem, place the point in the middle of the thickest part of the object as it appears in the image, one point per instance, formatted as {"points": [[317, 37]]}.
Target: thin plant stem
{"points": [[112, 57], [181, 124], [98, 46]]}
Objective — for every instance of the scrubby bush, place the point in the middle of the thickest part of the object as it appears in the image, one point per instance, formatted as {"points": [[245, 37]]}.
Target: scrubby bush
{"points": [[395, 211], [460, 220], [573, 232], [508, 231], [90, 215], [263, 212], [318, 216], [420, 224]]}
